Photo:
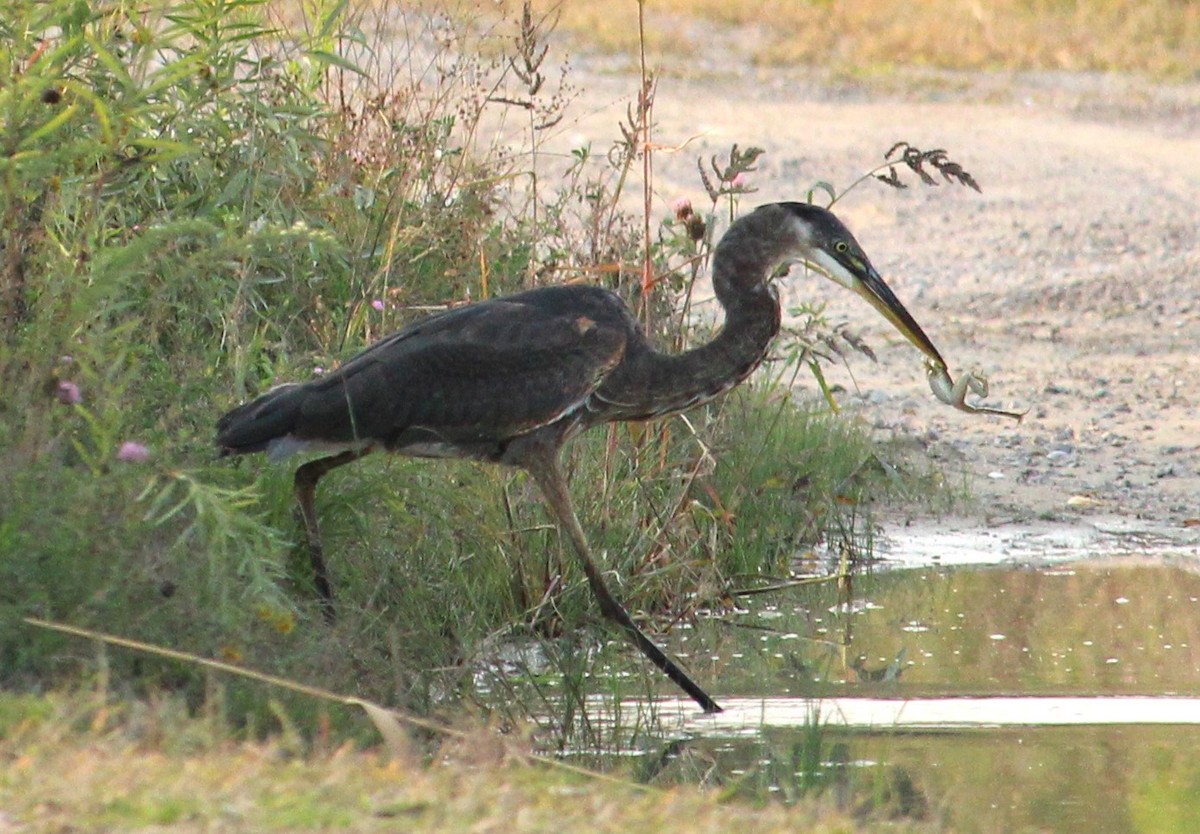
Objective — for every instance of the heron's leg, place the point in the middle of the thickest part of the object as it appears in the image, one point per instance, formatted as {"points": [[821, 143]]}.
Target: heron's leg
{"points": [[541, 461], [305, 481]]}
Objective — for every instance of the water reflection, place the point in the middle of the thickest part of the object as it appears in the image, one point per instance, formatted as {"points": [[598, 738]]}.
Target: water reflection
{"points": [[1064, 698], [1099, 780], [1091, 628]]}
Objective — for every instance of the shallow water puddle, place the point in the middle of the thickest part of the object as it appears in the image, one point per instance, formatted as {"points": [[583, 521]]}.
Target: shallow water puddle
{"points": [[998, 682]]}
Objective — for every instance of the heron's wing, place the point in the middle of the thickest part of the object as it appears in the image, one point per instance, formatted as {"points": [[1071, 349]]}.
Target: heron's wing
{"points": [[479, 374]]}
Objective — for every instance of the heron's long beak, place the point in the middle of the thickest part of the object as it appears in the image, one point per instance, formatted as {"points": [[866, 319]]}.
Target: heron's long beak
{"points": [[871, 286]]}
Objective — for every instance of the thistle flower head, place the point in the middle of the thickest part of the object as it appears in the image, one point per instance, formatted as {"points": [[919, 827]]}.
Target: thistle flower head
{"points": [[68, 393], [132, 452]]}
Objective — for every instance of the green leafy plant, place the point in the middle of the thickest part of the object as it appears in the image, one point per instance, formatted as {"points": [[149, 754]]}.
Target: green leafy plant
{"points": [[208, 199]]}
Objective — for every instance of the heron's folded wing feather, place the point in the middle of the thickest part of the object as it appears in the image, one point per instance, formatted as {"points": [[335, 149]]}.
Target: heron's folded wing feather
{"points": [[482, 378]]}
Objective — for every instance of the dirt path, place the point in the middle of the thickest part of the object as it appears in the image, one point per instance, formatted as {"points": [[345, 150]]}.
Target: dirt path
{"points": [[1072, 281]]}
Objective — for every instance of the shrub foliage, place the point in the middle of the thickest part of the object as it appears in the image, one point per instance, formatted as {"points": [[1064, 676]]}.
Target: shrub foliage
{"points": [[200, 200]]}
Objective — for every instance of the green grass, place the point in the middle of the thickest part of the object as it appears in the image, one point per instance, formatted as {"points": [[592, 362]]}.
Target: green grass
{"points": [[197, 206]]}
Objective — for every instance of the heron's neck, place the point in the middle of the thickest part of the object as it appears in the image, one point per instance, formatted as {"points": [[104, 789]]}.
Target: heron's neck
{"points": [[751, 323], [666, 383]]}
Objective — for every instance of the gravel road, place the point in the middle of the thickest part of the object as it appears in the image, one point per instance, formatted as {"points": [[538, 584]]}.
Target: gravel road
{"points": [[1072, 282]]}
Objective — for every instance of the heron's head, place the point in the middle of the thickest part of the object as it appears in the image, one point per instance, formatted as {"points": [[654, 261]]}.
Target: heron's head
{"points": [[826, 245]]}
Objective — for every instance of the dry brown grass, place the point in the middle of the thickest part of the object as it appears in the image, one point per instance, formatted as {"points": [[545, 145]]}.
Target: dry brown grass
{"points": [[1159, 37], [154, 769]]}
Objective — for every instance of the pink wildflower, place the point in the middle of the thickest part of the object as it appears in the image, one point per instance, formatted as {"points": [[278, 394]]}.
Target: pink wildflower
{"points": [[378, 304], [739, 181], [682, 208], [68, 393], [132, 452]]}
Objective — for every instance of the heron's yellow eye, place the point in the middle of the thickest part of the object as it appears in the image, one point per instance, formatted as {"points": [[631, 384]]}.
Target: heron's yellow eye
{"points": [[841, 247]]}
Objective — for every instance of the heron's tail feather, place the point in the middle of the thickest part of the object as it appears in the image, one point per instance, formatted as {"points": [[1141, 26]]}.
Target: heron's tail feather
{"points": [[253, 426]]}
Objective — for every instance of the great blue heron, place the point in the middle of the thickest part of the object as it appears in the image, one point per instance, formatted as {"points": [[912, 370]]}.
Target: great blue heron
{"points": [[511, 379]]}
